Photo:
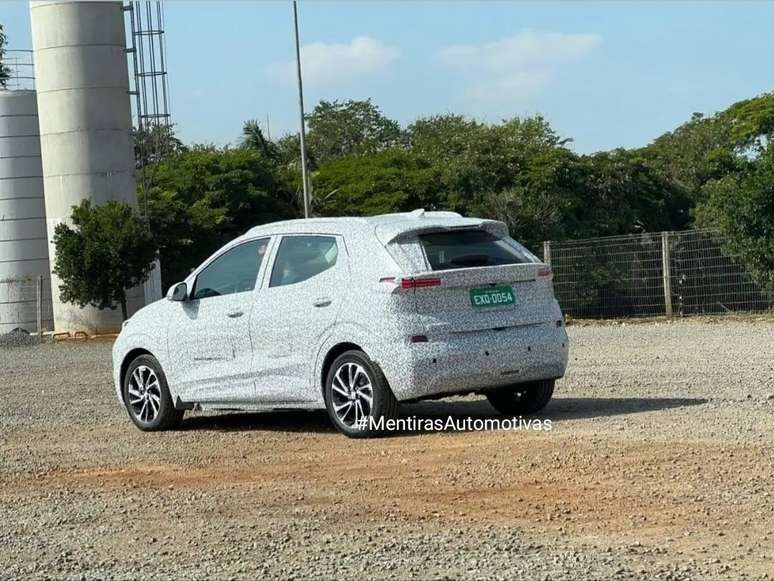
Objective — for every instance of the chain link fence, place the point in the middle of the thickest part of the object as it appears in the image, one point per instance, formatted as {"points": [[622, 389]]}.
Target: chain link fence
{"points": [[652, 274], [25, 306]]}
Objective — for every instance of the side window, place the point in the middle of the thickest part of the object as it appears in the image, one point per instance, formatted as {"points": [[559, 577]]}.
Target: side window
{"points": [[232, 272], [300, 258]]}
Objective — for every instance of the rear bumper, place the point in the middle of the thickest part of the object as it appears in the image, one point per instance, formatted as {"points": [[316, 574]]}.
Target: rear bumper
{"points": [[467, 362]]}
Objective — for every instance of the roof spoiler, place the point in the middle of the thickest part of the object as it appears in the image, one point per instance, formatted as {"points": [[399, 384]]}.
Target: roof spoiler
{"points": [[388, 235]]}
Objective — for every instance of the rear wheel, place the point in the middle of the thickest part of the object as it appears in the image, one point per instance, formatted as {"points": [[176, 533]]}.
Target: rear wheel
{"points": [[357, 395], [522, 399], [147, 398]]}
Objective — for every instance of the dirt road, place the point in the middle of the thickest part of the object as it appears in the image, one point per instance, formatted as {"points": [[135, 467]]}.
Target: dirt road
{"points": [[659, 464]]}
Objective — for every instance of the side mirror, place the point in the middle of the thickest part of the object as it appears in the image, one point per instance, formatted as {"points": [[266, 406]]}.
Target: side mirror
{"points": [[178, 292]]}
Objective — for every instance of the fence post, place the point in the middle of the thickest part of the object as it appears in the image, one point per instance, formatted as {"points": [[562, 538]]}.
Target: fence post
{"points": [[667, 273], [39, 309], [547, 252]]}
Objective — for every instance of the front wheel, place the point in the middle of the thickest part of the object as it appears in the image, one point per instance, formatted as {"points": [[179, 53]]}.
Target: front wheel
{"points": [[358, 397], [522, 399], [147, 398]]}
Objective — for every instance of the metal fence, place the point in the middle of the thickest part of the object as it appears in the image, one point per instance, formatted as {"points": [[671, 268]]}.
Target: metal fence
{"points": [[25, 304], [21, 68], [664, 273]]}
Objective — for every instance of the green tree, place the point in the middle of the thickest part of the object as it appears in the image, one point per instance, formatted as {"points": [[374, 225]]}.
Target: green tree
{"points": [[206, 196], [544, 191], [519, 171], [742, 207], [390, 181], [153, 144], [253, 138], [443, 137], [540, 200], [695, 153], [288, 149], [622, 194], [455, 145], [5, 72], [108, 250], [477, 160], [710, 148], [339, 129]]}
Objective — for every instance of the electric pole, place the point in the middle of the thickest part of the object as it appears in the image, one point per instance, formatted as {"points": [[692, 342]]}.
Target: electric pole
{"points": [[302, 134]]}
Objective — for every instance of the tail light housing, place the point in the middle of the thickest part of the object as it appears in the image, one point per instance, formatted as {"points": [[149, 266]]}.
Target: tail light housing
{"points": [[419, 282], [410, 283]]}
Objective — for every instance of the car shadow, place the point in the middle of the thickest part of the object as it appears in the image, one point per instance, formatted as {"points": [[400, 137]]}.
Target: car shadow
{"points": [[559, 410], [273, 421]]}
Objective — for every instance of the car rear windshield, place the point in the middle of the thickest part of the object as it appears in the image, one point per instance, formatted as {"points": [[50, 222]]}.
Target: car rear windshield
{"points": [[470, 248]]}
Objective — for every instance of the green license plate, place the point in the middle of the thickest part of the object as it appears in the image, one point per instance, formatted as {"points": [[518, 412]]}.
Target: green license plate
{"points": [[491, 296]]}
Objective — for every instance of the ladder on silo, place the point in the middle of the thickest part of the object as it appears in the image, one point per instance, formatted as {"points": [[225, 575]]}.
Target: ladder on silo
{"points": [[150, 83]]}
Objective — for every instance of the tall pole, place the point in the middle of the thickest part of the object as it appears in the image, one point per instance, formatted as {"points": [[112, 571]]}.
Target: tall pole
{"points": [[302, 134]]}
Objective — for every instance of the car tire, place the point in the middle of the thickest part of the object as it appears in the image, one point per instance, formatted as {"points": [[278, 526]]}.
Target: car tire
{"points": [[522, 399], [352, 379], [147, 398]]}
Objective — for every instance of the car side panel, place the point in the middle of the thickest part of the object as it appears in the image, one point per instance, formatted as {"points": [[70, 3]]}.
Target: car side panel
{"points": [[345, 332], [287, 327], [147, 330], [213, 350]]}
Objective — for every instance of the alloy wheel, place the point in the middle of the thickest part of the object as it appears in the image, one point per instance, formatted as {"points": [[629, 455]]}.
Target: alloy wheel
{"points": [[352, 395], [144, 394]]}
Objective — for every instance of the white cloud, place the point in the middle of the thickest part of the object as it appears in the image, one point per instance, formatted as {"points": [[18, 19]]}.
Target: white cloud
{"points": [[330, 63], [519, 66]]}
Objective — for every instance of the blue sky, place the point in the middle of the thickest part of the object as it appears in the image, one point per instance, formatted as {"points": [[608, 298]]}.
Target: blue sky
{"points": [[607, 73]]}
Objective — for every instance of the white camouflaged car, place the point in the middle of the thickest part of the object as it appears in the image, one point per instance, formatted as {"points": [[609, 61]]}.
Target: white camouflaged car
{"points": [[349, 314]]}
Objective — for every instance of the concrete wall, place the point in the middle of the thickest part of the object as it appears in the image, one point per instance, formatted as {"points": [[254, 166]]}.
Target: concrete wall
{"points": [[85, 122], [23, 246]]}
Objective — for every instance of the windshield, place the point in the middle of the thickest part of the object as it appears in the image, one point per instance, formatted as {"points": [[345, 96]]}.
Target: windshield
{"points": [[470, 248]]}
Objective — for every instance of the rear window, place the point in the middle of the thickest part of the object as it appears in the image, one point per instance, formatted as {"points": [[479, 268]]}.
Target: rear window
{"points": [[300, 258], [470, 248]]}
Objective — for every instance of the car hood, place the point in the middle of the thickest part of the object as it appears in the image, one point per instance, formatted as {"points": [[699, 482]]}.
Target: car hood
{"points": [[149, 315]]}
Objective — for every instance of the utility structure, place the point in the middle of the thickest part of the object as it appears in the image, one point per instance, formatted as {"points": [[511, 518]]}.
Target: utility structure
{"points": [[24, 263], [82, 82], [302, 127], [22, 77], [149, 75], [150, 89]]}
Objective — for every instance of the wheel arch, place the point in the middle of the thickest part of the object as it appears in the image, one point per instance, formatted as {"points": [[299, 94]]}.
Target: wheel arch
{"points": [[330, 357], [126, 362]]}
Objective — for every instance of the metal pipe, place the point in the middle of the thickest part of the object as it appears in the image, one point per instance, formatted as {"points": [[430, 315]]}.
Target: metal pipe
{"points": [[302, 133]]}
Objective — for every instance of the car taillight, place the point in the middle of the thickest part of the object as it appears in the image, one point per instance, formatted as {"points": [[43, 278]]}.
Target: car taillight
{"points": [[545, 272], [411, 282], [407, 283]]}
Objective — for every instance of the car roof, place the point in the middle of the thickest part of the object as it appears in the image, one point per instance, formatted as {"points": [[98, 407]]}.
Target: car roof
{"points": [[386, 226]]}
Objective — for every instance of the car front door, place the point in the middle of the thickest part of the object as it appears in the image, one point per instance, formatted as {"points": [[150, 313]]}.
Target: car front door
{"points": [[209, 335], [299, 304]]}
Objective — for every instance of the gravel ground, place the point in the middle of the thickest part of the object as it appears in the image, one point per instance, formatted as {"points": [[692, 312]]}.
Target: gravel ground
{"points": [[659, 465]]}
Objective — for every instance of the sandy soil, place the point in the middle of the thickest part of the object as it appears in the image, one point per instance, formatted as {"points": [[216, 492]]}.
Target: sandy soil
{"points": [[659, 463]]}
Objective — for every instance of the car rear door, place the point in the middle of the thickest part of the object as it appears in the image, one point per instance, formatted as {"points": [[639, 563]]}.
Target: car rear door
{"points": [[298, 305]]}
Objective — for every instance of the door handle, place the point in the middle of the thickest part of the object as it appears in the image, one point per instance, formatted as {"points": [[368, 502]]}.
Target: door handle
{"points": [[235, 314], [323, 302]]}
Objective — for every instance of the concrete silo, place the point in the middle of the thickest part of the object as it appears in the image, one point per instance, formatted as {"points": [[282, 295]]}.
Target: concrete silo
{"points": [[85, 124], [23, 245]]}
